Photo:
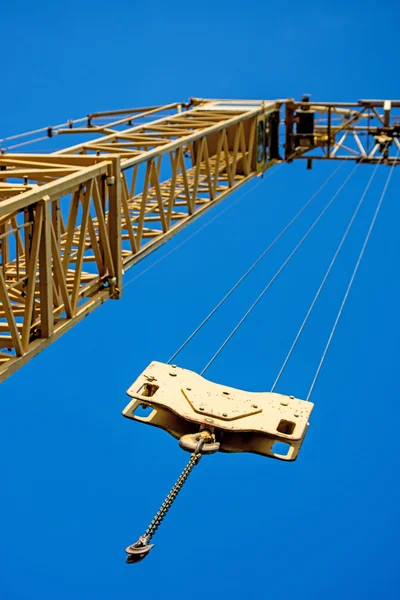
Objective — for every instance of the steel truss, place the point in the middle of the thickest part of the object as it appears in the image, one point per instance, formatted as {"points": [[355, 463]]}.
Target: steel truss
{"points": [[72, 221]]}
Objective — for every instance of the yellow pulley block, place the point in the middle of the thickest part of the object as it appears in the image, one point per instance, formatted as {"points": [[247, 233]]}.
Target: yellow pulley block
{"points": [[184, 403]]}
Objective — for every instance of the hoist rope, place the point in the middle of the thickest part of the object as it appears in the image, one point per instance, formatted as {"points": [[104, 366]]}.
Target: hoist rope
{"points": [[329, 269], [279, 271], [253, 266], [346, 295], [197, 231]]}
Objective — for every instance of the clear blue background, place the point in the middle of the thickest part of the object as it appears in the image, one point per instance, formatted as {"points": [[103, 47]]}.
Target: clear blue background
{"points": [[79, 482]]}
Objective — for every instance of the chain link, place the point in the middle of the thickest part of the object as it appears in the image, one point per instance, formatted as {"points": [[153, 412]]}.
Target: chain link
{"points": [[197, 442], [170, 499]]}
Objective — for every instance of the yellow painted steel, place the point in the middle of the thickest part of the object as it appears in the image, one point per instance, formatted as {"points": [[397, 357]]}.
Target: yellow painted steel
{"points": [[73, 221]]}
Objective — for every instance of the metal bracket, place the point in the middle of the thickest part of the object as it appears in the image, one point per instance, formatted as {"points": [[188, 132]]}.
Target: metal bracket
{"points": [[181, 402]]}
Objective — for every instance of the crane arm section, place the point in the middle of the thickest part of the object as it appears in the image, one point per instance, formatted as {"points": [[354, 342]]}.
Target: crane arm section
{"points": [[74, 220]]}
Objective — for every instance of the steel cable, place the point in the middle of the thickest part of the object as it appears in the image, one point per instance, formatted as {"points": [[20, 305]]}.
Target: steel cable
{"points": [[253, 266], [329, 269], [52, 128], [346, 295], [269, 284], [190, 237]]}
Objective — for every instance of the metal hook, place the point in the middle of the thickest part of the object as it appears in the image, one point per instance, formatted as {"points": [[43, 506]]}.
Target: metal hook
{"points": [[138, 551], [191, 443]]}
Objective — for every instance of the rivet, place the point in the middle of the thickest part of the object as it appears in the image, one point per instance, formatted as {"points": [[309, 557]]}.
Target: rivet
{"points": [[254, 406], [188, 389], [296, 414], [291, 397], [208, 420], [173, 366], [201, 407], [226, 393], [284, 403], [173, 374], [224, 415]]}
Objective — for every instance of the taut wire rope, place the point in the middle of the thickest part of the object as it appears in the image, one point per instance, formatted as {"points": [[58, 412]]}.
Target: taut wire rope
{"points": [[253, 266], [279, 271], [350, 285], [197, 231], [329, 269]]}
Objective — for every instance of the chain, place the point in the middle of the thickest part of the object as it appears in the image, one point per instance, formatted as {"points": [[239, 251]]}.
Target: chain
{"points": [[170, 499], [199, 443]]}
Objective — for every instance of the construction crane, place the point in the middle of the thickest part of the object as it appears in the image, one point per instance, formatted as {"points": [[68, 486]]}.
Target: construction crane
{"points": [[75, 219]]}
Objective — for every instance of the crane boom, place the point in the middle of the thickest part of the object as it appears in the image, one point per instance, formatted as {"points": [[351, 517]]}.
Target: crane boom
{"points": [[72, 221]]}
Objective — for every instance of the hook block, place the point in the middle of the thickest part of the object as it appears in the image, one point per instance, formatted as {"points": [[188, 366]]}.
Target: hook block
{"points": [[181, 402]]}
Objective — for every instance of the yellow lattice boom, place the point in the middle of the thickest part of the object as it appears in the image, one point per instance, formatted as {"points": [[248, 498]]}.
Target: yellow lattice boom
{"points": [[74, 220]]}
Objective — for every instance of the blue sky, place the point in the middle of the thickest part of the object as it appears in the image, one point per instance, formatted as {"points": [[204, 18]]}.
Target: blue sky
{"points": [[79, 482]]}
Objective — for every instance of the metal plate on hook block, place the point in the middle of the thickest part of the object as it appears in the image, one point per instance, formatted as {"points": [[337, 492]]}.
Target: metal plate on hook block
{"points": [[182, 402]]}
